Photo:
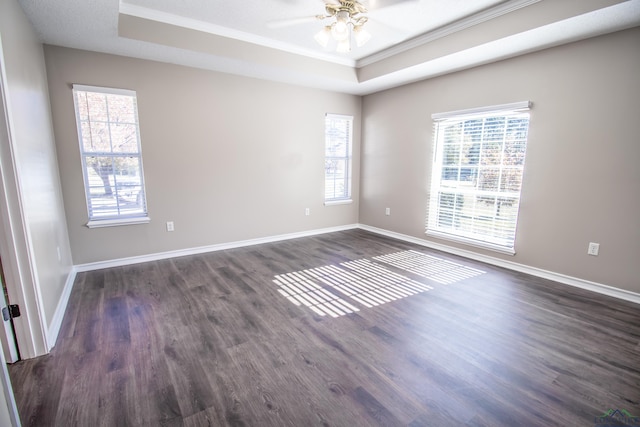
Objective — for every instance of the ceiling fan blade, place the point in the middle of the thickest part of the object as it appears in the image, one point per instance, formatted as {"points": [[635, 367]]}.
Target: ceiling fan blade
{"points": [[282, 23]]}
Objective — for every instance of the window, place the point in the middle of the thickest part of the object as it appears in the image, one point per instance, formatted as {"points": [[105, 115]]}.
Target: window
{"points": [[109, 137], [337, 158], [477, 175]]}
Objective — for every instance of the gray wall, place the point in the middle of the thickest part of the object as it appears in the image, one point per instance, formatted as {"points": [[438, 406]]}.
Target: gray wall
{"points": [[229, 158], [30, 167], [226, 158], [582, 180]]}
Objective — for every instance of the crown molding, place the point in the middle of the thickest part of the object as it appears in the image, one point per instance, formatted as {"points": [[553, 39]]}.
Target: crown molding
{"points": [[460, 25]]}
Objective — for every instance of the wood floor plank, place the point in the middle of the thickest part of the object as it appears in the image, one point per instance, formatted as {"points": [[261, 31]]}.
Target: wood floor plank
{"points": [[81, 383], [42, 382], [215, 340]]}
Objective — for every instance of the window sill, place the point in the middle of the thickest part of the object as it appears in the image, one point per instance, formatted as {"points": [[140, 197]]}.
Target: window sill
{"points": [[338, 202], [99, 223], [471, 242]]}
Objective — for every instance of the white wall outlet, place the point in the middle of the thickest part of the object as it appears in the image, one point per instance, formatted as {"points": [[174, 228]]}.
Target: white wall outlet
{"points": [[593, 249], [59, 254], [170, 226], [307, 211], [387, 211]]}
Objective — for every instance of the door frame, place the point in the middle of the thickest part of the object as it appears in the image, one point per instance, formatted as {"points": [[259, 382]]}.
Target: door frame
{"points": [[7, 336], [8, 409], [9, 253], [15, 241]]}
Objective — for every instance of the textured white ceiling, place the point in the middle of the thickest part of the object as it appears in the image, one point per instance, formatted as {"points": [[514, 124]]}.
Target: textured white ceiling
{"points": [[412, 39]]}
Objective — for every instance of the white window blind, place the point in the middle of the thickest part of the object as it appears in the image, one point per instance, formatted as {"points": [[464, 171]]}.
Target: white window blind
{"points": [[477, 175], [109, 136], [337, 160]]}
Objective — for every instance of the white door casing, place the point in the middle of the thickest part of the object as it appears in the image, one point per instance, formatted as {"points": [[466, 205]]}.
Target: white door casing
{"points": [[20, 280]]}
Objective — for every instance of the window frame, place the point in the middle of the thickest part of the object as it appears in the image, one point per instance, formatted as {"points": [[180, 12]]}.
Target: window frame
{"points": [[485, 241], [346, 196], [118, 219]]}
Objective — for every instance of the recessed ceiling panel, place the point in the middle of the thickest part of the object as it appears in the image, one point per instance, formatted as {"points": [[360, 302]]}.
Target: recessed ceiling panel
{"points": [[291, 22]]}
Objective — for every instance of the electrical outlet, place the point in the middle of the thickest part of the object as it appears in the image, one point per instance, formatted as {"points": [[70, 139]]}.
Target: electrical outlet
{"points": [[307, 211], [170, 226], [593, 249], [387, 211]]}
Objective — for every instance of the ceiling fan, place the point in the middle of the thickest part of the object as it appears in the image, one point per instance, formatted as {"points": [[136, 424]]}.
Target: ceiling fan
{"points": [[346, 18]]}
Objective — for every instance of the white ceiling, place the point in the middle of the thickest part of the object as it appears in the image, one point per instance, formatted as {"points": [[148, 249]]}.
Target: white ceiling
{"points": [[273, 39]]}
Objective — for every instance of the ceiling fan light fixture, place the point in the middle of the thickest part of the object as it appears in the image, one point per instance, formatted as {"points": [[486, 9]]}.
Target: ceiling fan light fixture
{"points": [[323, 36], [340, 28], [347, 19], [361, 35]]}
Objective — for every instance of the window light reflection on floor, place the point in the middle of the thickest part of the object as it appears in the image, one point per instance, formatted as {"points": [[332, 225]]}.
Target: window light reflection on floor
{"points": [[303, 288], [326, 290], [362, 281], [429, 267]]}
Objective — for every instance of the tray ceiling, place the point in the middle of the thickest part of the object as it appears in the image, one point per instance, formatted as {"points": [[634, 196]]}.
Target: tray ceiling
{"points": [[273, 39]]}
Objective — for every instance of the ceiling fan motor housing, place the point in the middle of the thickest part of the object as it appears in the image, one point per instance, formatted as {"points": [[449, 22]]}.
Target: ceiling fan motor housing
{"points": [[350, 6]]}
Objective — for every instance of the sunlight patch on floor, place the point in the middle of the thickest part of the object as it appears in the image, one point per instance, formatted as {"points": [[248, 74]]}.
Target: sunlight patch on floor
{"points": [[429, 267], [372, 284], [304, 288], [362, 281]]}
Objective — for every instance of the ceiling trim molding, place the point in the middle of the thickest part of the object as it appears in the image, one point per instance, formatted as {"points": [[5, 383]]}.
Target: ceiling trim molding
{"points": [[618, 17], [460, 25], [197, 25]]}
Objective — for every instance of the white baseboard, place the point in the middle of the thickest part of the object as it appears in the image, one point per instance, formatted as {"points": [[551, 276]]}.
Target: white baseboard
{"points": [[211, 248], [58, 316], [56, 323], [534, 271]]}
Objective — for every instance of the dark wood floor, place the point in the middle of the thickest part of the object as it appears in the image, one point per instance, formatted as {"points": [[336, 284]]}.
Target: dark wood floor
{"points": [[245, 337]]}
